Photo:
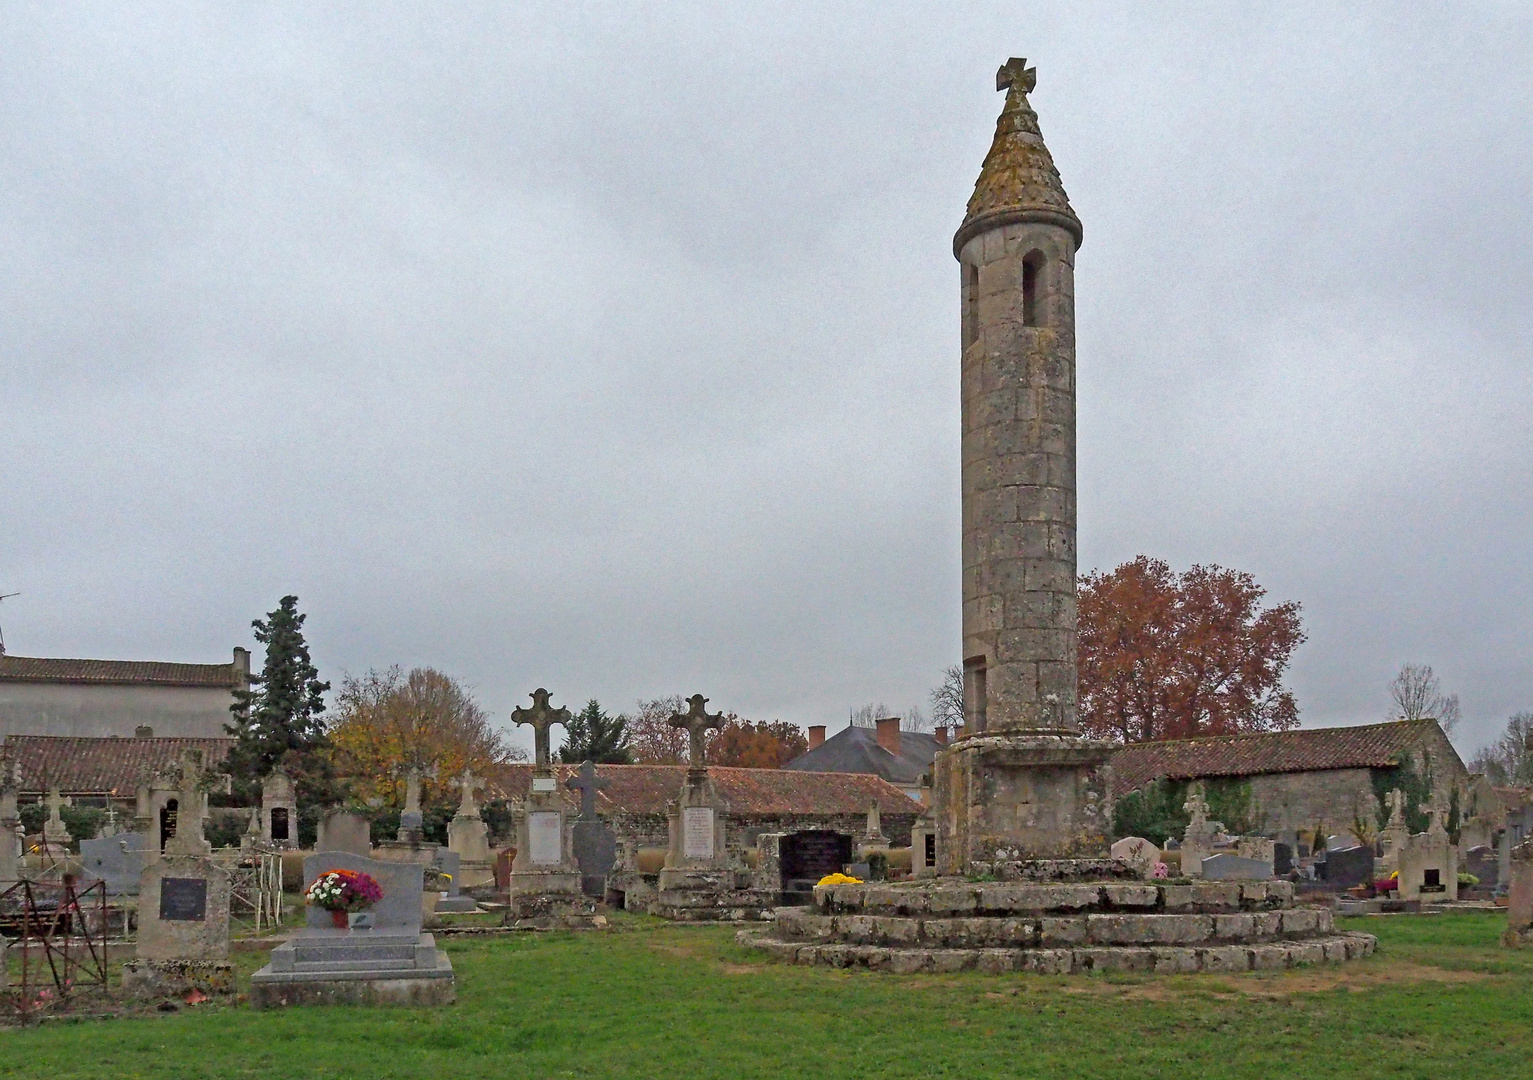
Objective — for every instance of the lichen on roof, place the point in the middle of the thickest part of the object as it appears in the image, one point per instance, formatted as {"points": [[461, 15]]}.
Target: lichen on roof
{"points": [[1018, 180]]}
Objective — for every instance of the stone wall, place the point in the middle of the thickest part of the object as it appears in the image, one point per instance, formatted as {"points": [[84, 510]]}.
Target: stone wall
{"points": [[652, 830], [1288, 806]]}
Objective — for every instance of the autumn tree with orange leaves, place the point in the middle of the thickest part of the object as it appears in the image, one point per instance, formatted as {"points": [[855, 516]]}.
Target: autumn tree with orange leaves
{"points": [[1173, 656]]}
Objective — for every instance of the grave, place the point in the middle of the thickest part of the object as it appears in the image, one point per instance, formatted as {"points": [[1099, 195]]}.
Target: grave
{"points": [[1021, 804], [279, 810], [1198, 841], [1519, 897], [391, 962], [1347, 867], [56, 836], [1138, 853], [342, 830], [923, 846], [544, 887], [469, 837], [594, 842], [117, 860], [1282, 859], [183, 929], [698, 882], [1226, 866]]}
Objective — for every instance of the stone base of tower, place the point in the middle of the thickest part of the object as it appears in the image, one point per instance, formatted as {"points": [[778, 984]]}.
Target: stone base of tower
{"points": [[1005, 799]]}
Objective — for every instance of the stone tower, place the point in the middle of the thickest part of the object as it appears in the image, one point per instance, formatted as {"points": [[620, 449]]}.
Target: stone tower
{"points": [[1021, 783]]}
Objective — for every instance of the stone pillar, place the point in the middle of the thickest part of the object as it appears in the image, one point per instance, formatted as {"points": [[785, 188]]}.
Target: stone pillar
{"points": [[1519, 909], [1020, 783], [10, 821], [279, 810]]}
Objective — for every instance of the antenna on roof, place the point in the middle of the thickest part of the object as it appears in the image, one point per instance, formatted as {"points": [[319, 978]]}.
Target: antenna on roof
{"points": [[5, 596]]}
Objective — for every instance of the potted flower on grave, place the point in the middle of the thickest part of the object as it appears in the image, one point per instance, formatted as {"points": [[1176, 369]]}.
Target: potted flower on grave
{"points": [[343, 893]]}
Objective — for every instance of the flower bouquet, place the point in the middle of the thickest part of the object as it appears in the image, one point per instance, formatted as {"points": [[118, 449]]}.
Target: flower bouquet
{"points": [[838, 879], [342, 892]]}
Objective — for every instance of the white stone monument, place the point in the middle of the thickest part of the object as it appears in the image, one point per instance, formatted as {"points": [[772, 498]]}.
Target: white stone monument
{"points": [[545, 878]]}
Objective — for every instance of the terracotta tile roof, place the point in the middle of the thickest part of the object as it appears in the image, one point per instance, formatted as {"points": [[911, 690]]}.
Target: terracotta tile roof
{"points": [[855, 750], [96, 766], [646, 789], [38, 669], [1372, 746]]}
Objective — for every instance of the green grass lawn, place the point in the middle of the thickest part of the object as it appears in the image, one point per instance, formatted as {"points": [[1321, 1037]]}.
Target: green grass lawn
{"points": [[651, 1000]]}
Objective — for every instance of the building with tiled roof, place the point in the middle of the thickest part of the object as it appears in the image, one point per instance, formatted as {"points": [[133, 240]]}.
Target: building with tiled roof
{"points": [[106, 769], [122, 698], [903, 758], [1300, 779]]}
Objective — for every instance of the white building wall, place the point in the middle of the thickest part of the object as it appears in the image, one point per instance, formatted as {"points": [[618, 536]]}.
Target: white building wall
{"points": [[113, 709]]}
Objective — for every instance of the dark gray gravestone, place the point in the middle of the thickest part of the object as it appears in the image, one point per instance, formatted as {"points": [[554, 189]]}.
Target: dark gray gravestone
{"points": [[595, 851], [117, 860], [1282, 860], [1346, 867], [1483, 863]]}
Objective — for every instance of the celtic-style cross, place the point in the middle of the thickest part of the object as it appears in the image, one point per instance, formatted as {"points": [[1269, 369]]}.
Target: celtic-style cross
{"points": [[1015, 71], [541, 717], [697, 720], [1196, 807], [588, 785], [468, 806]]}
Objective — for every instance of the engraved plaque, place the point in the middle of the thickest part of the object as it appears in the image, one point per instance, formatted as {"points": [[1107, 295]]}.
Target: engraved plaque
{"points": [[544, 842], [543, 783], [183, 899], [697, 832]]}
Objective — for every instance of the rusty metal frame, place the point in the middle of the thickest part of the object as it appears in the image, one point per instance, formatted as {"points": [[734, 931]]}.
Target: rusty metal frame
{"points": [[61, 932]]}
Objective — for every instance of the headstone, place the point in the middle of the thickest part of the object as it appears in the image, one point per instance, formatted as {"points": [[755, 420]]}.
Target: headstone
{"points": [[545, 840], [594, 842], [279, 810], [1259, 848], [1484, 864], [1346, 867], [411, 820], [193, 779], [389, 962], [923, 846], [1198, 841], [873, 838], [1519, 896], [545, 886], [342, 830], [1227, 867], [1282, 860], [55, 833], [117, 860], [1427, 865], [467, 833], [1138, 853], [183, 929]]}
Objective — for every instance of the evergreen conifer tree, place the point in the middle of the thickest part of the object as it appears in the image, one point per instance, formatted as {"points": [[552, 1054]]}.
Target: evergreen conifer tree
{"points": [[593, 734], [278, 722]]}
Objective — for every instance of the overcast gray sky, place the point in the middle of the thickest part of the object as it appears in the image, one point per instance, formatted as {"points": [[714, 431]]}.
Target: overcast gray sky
{"points": [[615, 349]]}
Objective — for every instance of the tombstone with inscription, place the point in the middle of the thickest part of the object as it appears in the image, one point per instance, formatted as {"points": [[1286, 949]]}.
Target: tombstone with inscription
{"points": [[1198, 841], [923, 846], [279, 810], [545, 879], [698, 881], [1428, 862], [1227, 866], [1282, 859], [1347, 867], [389, 962], [183, 929], [594, 841]]}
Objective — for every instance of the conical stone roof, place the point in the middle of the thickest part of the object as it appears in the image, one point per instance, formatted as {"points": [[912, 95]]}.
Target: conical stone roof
{"points": [[1018, 181]]}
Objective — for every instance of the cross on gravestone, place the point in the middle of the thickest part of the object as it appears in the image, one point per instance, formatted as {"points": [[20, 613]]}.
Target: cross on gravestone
{"points": [[541, 717], [469, 783], [1196, 807], [1395, 800], [56, 804], [698, 721], [1438, 808], [192, 779], [1016, 71], [588, 785]]}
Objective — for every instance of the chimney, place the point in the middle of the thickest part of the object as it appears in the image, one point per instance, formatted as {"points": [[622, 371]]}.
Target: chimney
{"points": [[941, 734], [958, 730], [889, 734], [816, 735], [143, 731]]}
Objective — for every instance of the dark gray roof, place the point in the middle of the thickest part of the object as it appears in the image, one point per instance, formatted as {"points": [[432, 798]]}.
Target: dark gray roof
{"points": [[856, 750]]}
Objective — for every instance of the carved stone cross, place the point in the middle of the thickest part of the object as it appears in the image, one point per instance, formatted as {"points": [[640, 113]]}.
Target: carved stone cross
{"points": [[1196, 807], [588, 785], [192, 779], [541, 717], [468, 807], [56, 803], [1016, 71], [698, 721], [1438, 806], [1395, 800]]}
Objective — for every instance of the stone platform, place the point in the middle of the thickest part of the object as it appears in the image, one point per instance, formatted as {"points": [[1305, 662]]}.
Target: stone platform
{"points": [[1058, 927], [356, 967]]}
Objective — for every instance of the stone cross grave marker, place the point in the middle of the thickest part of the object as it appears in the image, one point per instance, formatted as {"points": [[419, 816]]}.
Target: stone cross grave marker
{"points": [[192, 779], [54, 829], [541, 717], [588, 785], [468, 783], [1437, 807], [1395, 800], [697, 721], [594, 842]]}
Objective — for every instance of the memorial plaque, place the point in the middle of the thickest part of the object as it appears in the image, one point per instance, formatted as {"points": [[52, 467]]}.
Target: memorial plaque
{"points": [[543, 783], [183, 899], [697, 832], [544, 841]]}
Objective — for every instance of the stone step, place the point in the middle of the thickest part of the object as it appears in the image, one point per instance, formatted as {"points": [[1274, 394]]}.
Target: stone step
{"points": [[981, 931], [352, 954], [395, 964], [1270, 956], [957, 897]]}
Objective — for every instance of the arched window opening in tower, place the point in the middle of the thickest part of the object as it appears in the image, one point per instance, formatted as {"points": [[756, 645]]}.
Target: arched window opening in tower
{"points": [[1032, 271]]}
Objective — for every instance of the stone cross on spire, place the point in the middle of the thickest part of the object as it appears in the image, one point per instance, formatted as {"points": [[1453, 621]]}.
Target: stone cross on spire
{"points": [[697, 720], [588, 785], [541, 717], [1015, 72], [1439, 807], [468, 806]]}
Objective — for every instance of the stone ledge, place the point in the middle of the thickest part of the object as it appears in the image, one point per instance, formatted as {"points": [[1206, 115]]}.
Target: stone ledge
{"points": [[959, 897], [1060, 961]]}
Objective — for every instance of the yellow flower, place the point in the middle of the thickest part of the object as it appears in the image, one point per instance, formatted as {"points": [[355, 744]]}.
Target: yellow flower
{"points": [[838, 879]]}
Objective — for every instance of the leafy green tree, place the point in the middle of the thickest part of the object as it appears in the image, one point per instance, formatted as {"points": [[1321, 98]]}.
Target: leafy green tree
{"points": [[279, 720], [595, 736]]}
